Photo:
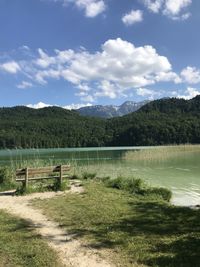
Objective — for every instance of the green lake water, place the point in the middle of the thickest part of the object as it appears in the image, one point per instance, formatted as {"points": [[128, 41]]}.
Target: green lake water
{"points": [[180, 174]]}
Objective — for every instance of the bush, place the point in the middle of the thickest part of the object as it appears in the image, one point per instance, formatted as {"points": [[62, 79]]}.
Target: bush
{"points": [[88, 175], [131, 185], [137, 186], [164, 193], [74, 177], [6, 181]]}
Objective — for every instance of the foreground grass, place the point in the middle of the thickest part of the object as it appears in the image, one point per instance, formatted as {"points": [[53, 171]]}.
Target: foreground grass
{"points": [[161, 153], [20, 246], [135, 230]]}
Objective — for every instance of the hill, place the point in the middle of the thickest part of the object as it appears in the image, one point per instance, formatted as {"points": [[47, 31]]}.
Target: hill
{"points": [[48, 127], [164, 121]]}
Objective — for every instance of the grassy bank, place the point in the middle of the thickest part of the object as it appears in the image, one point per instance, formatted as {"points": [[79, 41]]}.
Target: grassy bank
{"points": [[131, 228], [20, 246], [161, 153], [8, 179]]}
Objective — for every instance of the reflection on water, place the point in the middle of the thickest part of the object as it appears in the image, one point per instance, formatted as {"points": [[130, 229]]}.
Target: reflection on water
{"points": [[180, 174]]}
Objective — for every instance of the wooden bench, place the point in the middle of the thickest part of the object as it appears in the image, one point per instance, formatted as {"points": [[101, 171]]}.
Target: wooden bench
{"points": [[31, 174]]}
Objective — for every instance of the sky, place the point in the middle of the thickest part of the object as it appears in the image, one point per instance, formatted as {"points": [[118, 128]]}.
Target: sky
{"points": [[74, 53]]}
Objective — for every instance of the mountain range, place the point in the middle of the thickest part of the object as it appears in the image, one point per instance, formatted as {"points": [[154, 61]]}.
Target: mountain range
{"points": [[164, 121], [111, 111]]}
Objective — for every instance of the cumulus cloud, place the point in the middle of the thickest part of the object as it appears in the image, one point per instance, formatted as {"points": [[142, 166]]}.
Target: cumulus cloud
{"points": [[92, 8], [11, 67], [189, 93], [24, 85], [147, 93], [132, 17], [174, 9], [72, 106], [191, 75], [117, 67], [153, 5]]}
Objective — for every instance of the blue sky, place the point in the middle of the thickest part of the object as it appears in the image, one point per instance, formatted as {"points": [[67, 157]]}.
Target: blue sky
{"points": [[86, 52]]}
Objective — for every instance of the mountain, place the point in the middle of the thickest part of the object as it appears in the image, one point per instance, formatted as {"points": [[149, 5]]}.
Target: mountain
{"points": [[110, 111], [164, 121]]}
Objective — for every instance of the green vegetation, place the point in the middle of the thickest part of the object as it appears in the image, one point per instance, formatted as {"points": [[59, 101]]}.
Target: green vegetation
{"points": [[7, 180], [42, 186], [138, 187], [165, 121], [20, 246], [161, 153], [134, 229]]}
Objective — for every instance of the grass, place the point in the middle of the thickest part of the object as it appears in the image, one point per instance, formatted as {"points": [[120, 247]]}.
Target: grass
{"points": [[138, 187], [134, 229], [20, 246], [161, 153], [7, 181]]}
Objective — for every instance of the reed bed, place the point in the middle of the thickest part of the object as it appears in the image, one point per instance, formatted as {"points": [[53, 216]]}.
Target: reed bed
{"points": [[161, 153]]}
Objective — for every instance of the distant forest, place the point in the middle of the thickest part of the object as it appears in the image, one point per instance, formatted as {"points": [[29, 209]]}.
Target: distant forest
{"points": [[165, 121]]}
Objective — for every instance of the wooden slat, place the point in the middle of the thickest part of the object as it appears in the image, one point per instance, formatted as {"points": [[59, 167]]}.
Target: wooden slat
{"points": [[20, 172], [41, 178], [32, 171], [37, 178]]}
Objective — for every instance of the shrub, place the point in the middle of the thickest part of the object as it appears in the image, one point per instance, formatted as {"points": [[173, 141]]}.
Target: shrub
{"points": [[88, 175], [164, 193], [74, 177], [137, 186], [6, 181], [131, 185]]}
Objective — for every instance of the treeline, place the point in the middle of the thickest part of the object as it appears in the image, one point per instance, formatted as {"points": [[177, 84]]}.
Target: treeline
{"points": [[165, 121]]}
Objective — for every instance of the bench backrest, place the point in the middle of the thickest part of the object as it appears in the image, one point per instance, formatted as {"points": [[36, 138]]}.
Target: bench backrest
{"points": [[42, 170], [26, 174]]}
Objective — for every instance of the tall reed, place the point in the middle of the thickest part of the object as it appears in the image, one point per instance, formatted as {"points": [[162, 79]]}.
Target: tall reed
{"points": [[161, 153]]}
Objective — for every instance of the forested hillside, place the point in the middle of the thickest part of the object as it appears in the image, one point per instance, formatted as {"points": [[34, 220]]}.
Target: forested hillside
{"points": [[48, 127], [165, 121]]}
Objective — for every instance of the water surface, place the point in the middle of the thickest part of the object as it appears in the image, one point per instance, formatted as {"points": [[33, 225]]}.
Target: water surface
{"points": [[180, 174]]}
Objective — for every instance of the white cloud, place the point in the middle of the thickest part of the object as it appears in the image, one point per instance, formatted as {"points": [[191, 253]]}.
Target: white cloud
{"points": [[167, 77], [87, 98], [189, 93], [39, 105], [144, 92], [118, 67], [174, 9], [147, 93], [191, 75], [132, 17], [11, 67], [24, 85], [72, 106], [153, 5], [92, 8], [77, 106]]}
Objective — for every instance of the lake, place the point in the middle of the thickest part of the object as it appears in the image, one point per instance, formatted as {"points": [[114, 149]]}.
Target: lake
{"points": [[180, 174]]}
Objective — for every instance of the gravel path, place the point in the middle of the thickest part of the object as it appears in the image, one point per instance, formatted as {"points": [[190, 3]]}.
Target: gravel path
{"points": [[70, 250]]}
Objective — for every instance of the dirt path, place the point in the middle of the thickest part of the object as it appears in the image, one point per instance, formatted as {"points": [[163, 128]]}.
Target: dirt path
{"points": [[70, 250]]}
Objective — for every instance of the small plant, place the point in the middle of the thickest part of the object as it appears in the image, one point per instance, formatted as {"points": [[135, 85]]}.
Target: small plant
{"points": [[131, 185], [137, 186], [6, 181], [88, 176], [164, 193], [60, 187], [74, 177]]}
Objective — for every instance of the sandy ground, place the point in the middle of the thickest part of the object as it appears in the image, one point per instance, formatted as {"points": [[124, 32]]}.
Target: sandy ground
{"points": [[70, 250]]}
